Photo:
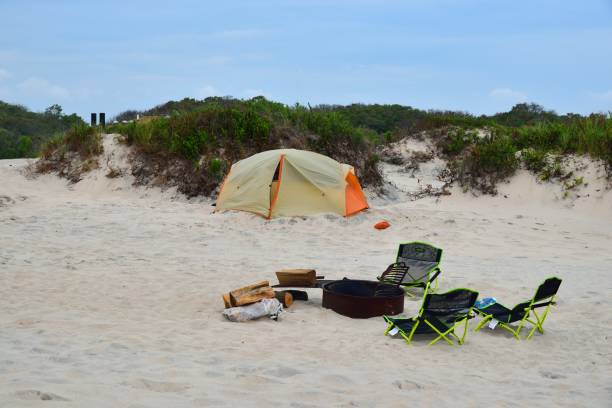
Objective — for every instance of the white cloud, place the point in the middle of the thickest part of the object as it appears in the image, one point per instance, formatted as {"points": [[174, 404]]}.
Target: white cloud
{"points": [[507, 93], [206, 91], [4, 74], [34, 86], [237, 34]]}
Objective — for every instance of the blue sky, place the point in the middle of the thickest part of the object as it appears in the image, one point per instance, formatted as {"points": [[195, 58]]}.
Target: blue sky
{"points": [[476, 56]]}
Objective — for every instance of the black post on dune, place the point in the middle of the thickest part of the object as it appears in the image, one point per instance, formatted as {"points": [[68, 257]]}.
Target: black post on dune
{"points": [[102, 119], [94, 119]]}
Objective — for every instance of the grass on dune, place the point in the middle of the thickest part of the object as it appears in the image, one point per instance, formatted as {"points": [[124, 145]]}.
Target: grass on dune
{"points": [[218, 134], [206, 137], [481, 162], [80, 138]]}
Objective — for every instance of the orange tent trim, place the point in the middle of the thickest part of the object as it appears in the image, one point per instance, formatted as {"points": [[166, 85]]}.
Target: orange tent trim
{"points": [[278, 184], [355, 200]]}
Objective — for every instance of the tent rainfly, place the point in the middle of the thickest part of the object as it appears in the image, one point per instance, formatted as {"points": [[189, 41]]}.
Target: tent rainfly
{"points": [[288, 182]]}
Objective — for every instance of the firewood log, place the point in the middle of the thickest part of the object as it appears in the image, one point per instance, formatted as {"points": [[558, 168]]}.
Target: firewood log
{"points": [[298, 294], [284, 297], [241, 298], [296, 277], [226, 300], [249, 288]]}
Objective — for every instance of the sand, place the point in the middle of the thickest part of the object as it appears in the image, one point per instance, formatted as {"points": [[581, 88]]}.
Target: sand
{"points": [[110, 296]]}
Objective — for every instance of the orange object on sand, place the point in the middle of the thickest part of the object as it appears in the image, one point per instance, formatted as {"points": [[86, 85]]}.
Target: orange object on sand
{"points": [[382, 225]]}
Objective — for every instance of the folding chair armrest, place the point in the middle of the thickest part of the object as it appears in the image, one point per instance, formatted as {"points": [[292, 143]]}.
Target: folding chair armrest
{"points": [[543, 304], [435, 275], [463, 316]]}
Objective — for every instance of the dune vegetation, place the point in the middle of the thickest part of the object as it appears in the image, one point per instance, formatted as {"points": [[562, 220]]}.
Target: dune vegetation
{"points": [[479, 161], [193, 143], [22, 132], [199, 145]]}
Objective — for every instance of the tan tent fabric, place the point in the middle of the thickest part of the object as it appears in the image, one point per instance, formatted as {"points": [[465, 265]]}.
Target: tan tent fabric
{"points": [[247, 186], [308, 183]]}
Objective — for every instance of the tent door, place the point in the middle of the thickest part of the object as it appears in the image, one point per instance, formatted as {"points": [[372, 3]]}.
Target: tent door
{"points": [[274, 184], [273, 188]]}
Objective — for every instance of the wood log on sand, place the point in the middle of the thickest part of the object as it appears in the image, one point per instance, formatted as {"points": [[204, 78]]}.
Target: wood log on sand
{"points": [[248, 288], [296, 277], [284, 297], [297, 294], [226, 300], [262, 290], [229, 299], [251, 294]]}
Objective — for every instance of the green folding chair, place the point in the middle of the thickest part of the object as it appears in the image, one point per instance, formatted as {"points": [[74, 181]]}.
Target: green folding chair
{"points": [[440, 314], [521, 313], [422, 261]]}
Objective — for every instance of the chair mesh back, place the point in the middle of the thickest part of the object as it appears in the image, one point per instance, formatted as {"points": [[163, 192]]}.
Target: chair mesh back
{"points": [[450, 302], [418, 252], [519, 311], [395, 273], [547, 289]]}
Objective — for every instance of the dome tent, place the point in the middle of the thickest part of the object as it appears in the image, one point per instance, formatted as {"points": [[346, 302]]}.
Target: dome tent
{"points": [[287, 182]]}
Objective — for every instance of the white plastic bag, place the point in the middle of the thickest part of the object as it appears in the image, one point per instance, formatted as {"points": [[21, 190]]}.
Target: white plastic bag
{"points": [[265, 307]]}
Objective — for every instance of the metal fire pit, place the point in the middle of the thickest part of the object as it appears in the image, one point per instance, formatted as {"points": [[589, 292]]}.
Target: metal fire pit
{"points": [[362, 299]]}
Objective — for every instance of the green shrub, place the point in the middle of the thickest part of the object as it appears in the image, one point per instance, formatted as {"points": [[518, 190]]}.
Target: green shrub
{"points": [[486, 163], [215, 166], [230, 129], [534, 160], [553, 169], [456, 140], [221, 131], [22, 133], [495, 156], [82, 139], [570, 185], [24, 146]]}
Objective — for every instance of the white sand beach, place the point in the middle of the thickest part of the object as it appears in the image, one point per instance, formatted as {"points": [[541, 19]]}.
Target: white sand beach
{"points": [[110, 295]]}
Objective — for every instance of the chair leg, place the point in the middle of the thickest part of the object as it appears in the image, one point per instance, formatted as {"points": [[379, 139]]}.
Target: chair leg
{"points": [[410, 295], [465, 326], [514, 332], [407, 338], [389, 328], [484, 321], [540, 320], [533, 329], [440, 334], [538, 323]]}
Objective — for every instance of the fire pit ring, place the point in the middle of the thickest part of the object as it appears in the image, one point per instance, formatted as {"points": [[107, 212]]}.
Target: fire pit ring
{"points": [[361, 299]]}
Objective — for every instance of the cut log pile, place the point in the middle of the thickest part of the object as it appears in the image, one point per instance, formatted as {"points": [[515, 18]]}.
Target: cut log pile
{"points": [[254, 293], [258, 291], [251, 294], [248, 294]]}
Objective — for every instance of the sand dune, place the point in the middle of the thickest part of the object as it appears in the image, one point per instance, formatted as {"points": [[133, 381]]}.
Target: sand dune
{"points": [[110, 296]]}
